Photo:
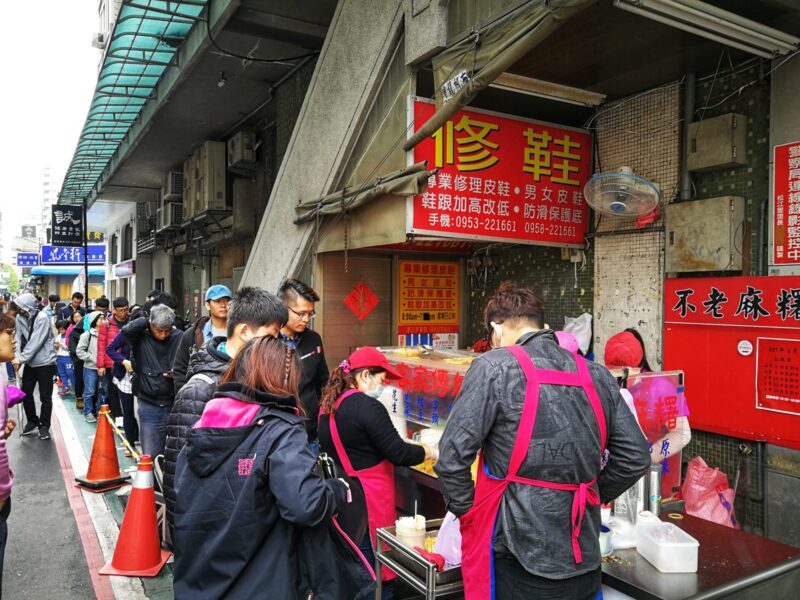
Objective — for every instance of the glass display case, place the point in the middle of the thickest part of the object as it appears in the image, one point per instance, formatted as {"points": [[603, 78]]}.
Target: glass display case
{"points": [[419, 405], [659, 402]]}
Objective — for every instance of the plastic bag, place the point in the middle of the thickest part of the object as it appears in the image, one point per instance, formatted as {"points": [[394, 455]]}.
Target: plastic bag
{"points": [[707, 494], [581, 328], [448, 540]]}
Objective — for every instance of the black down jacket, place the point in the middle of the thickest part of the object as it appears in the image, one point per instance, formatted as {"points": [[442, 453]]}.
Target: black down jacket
{"points": [[205, 368], [252, 520], [152, 360]]}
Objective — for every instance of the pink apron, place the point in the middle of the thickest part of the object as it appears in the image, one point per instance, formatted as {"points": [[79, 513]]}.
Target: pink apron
{"points": [[378, 484], [477, 526]]}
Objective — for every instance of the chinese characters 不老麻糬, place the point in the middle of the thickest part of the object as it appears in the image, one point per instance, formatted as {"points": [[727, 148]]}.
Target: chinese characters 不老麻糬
{"points": [[714, 303], [788, 304], [683, 305], [750, 304]]}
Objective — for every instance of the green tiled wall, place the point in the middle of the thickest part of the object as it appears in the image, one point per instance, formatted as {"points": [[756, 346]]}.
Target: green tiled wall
{"points": [[541, 269], [750, 181]]}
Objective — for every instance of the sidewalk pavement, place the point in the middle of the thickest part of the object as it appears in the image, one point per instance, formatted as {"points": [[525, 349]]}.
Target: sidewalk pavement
{"points": [[59, 535]]}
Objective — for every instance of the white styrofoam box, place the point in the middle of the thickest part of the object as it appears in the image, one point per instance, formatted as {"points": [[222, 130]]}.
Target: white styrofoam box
{"points": [[667, 547]]}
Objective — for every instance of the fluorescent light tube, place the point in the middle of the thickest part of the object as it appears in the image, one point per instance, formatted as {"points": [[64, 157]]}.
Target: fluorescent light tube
{"points": [[715, 24]]}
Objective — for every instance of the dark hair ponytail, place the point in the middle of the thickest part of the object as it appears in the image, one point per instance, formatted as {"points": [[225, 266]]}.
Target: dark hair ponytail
{"points": [[338, 383]]}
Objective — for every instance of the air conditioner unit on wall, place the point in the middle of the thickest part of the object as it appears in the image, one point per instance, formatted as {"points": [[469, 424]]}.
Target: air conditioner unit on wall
{"points": [[173, 187], [242, 149], [209, 181], [170, 216], [188, 187], [98, 41], [705, 235]]}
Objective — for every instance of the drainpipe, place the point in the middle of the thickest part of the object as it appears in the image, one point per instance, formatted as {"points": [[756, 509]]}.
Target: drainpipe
{"points": [[689, 90]]}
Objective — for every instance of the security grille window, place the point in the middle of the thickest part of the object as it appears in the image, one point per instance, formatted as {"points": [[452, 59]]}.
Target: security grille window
{"points": [[127, 243], [114, 248]]}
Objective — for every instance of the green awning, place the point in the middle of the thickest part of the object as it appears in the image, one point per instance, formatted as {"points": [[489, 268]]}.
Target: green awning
{"points": [[144, 42]]}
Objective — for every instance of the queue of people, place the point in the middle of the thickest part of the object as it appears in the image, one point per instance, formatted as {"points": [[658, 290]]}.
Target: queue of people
{"points": [[241, 403]]}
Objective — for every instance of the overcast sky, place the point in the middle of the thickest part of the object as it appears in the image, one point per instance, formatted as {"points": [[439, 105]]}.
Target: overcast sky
{"points": [[49, 71]]}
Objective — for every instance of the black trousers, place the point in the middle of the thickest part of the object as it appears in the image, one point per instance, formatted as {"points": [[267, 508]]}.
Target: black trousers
{"points": [[112, 394], [6, 510], [43, 376], [513, 582], [77, 368]]}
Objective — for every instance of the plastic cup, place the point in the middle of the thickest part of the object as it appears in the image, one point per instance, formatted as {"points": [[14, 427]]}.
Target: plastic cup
{"points": [[605, 541], [412, 537]]}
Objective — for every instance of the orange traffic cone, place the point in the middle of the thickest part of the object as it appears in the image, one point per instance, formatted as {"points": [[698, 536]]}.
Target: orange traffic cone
{"points": [[138, 553], [103, 474]]}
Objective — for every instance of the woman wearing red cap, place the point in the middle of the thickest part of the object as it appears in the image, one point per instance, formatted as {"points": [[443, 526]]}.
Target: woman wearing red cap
{"points": [[355, 428], [626, 349]]}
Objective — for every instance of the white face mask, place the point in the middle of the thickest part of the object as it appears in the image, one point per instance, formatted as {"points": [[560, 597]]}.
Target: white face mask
{"points": [[377, 391]]}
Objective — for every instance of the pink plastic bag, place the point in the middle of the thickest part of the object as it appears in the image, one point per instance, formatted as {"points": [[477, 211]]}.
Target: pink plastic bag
{"points": [[707, 494], [448, 540]]}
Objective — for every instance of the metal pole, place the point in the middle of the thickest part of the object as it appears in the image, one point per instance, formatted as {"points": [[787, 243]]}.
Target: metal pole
{"points": [[86, 253]]}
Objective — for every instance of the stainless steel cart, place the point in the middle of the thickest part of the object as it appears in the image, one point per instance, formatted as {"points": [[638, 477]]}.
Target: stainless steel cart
{"points": [[412, 567]]}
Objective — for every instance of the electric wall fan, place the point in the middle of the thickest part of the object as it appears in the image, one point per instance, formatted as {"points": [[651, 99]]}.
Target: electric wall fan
{"points": [[622, 194]]}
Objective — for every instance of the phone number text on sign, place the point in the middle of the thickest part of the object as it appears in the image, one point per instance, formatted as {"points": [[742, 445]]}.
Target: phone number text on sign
{"points": [[502, 178]]}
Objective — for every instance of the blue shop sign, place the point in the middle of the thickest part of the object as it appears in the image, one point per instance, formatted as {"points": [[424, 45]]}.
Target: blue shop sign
{"points": [[27, 259], [73, 255]]}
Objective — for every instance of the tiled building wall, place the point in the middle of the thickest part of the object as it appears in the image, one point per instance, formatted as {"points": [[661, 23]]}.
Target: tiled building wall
{"points": [[641, 132], [565, 288], [718, 95]]}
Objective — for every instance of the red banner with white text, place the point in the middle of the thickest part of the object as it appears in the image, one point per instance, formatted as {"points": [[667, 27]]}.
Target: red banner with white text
{"points": [[502, 178]]}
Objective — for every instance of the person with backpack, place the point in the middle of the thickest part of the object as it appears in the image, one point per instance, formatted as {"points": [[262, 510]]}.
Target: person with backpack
{"points": [[36, 351], [253, 313], [248, 497], [203, 331]]}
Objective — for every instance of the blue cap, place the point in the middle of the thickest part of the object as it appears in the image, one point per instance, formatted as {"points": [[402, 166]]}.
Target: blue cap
{"points": [[215, 292]]}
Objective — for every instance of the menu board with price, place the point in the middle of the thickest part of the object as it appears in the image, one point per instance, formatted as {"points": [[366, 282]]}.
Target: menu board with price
{"points": [[429, 297], [502, 178]]}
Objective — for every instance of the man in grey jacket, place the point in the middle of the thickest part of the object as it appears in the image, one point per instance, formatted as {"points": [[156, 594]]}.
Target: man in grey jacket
{"points": [[36, 351], [532, 544]]}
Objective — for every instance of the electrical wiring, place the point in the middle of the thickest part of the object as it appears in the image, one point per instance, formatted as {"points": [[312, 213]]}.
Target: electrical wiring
{"points": [[742, 88], [250, 58]]}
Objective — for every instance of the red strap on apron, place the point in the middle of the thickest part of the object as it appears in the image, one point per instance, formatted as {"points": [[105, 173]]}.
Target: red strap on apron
{"points": [[337, 441], [377, 483], [583, 493]]}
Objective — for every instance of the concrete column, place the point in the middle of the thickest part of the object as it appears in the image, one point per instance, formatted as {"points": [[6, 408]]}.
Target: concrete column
{"points": [[348, 74]]}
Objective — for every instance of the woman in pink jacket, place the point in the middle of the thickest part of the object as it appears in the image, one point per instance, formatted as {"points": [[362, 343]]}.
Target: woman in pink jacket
{"points": [[9, 396]]}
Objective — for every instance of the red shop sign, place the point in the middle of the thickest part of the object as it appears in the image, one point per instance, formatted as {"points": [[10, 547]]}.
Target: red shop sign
{"points": [[786, 204], [754, 301], [502, 178]]}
